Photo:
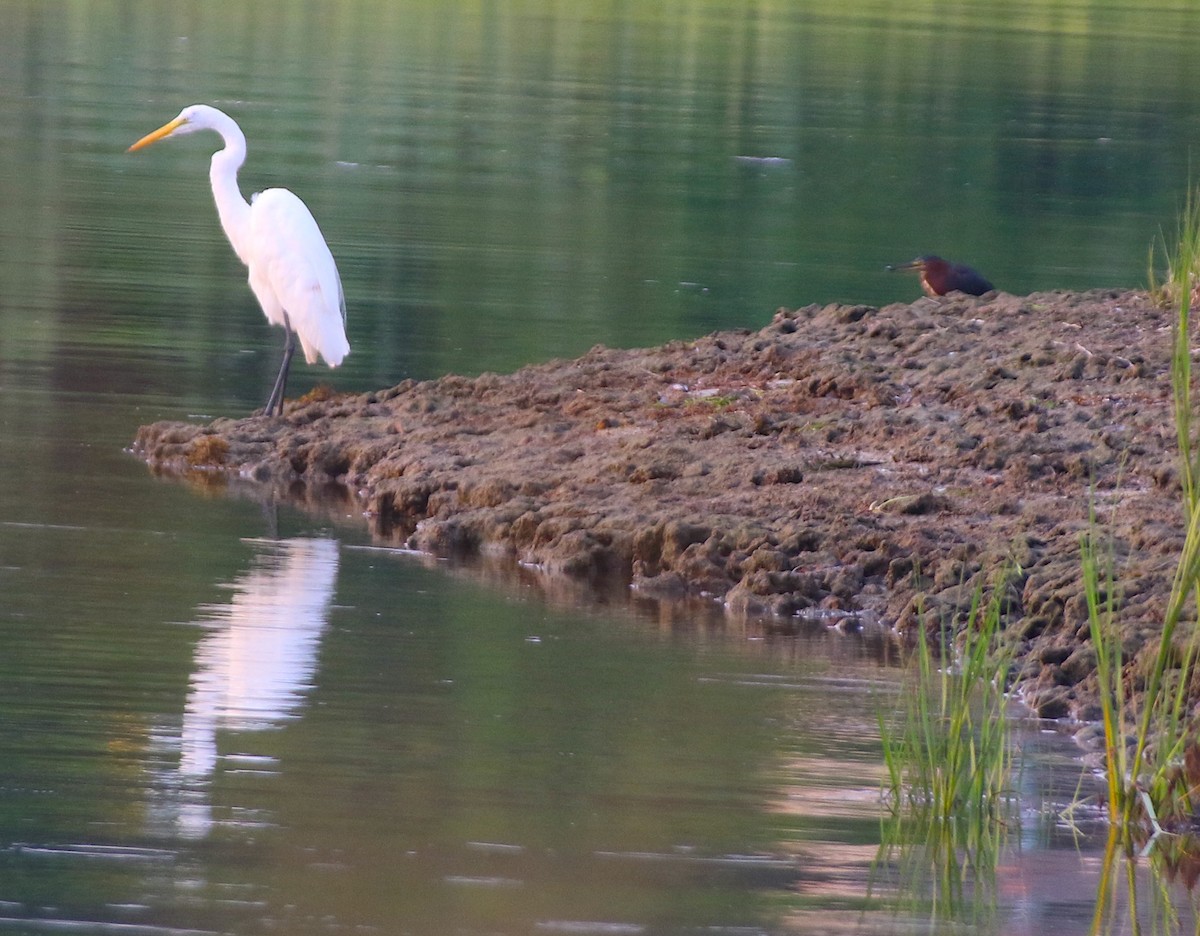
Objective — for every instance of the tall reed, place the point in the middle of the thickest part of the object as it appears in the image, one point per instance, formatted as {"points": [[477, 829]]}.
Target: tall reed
{"points": [[1145, 736]]}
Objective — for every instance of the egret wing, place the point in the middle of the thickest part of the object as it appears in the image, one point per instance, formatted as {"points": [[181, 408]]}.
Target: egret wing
{"points": [[290, 254]]}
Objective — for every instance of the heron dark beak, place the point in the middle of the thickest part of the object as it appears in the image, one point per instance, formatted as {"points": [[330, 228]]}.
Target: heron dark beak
{"points": [[917, 264]]}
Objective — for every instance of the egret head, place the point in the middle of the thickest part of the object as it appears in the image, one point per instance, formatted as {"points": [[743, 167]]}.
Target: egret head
{"points": [[192, 118]]}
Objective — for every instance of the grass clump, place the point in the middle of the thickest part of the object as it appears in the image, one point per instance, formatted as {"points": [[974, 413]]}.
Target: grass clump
{"points": [[948, 759], [1181, 279]]}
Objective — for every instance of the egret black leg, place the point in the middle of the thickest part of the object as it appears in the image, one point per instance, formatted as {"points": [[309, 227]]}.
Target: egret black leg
{"points": [[275, 401]]}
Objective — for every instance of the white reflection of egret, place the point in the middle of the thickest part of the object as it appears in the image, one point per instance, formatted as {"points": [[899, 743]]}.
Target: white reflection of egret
{"points": [[254, 665]]}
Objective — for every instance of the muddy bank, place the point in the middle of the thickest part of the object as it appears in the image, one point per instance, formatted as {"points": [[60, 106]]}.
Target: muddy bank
{"points": [[844, 461]]}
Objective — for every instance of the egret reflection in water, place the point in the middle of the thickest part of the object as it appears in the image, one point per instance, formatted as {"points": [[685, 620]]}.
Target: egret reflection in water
{"points": [[259, 656]]}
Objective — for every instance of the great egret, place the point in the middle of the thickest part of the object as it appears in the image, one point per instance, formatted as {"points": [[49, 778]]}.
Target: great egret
{"points": [[292, 272]]}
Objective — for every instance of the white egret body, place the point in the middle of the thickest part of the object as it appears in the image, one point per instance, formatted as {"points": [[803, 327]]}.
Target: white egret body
{"points": [[292, 272]]}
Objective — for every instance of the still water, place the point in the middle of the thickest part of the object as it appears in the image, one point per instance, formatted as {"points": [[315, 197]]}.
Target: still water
{"points": [[218, 715]]}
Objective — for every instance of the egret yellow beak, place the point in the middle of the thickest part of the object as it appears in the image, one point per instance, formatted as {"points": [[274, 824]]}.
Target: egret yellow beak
{"points": [[161, 133]]}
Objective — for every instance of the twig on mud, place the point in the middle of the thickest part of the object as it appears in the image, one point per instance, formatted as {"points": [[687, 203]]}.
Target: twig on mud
{"points": [[1076, 347]]}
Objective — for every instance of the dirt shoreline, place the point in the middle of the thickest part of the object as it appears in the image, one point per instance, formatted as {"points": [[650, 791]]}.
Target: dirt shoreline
{"points": [[846, 462]]}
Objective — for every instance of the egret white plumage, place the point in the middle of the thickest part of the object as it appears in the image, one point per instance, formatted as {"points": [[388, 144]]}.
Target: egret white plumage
{"points": [[292, 272]]}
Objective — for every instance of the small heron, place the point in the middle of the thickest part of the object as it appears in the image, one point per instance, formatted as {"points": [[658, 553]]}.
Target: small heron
{"points": [[939, 276]]}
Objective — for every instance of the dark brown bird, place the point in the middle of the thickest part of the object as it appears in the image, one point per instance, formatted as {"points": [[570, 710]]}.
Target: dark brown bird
{"points": [[939, 276]]}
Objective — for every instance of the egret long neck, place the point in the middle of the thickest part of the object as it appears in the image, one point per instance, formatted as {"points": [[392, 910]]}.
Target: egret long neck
{"points": [[232, 208]]}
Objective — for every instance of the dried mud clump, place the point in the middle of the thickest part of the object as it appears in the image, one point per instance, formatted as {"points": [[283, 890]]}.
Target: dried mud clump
{"points": [[858, 464]]}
